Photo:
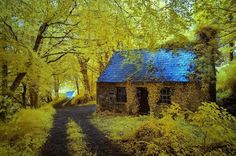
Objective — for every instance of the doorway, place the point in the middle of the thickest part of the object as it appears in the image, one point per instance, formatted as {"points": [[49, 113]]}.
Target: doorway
{"points": [[142, 95]]}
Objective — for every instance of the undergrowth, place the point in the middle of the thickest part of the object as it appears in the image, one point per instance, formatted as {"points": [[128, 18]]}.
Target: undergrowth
{"points": [[226, 80], [8, 108], [26, 132], [208, 131], [59, 101]]}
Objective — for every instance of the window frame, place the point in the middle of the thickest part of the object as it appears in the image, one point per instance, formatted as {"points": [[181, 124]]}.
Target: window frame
{"points": [[121, 94], [165, 95]]}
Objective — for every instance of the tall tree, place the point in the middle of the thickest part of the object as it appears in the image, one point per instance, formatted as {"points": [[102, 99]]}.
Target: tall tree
{"points": [[84, 71], [220, 14], [208, 54], [25, 24]]}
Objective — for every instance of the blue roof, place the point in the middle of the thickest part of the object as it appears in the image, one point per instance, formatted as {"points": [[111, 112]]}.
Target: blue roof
{"points": [[161, 66]]}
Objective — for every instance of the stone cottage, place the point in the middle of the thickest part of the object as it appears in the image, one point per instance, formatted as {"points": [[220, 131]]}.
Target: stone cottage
{"points": [[143, 82]]}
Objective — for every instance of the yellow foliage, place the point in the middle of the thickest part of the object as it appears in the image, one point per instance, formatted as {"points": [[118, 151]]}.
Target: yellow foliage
{"points": [[215, 123], [208, 131], [226, 79]]}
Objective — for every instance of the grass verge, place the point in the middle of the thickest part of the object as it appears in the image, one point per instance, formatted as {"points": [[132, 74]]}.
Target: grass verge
{"points": [[26, 133], [76, 140], [117, 127]]}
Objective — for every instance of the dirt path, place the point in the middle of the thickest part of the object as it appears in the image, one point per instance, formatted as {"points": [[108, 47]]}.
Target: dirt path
{"points": [[96, 140]]}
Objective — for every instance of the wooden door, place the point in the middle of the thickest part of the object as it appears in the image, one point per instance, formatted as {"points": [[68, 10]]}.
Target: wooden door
{"points": [[142, 95]]}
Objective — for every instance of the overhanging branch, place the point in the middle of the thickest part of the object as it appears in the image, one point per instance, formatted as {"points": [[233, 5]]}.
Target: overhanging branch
{"points": [[17, 81], [58, 58]]}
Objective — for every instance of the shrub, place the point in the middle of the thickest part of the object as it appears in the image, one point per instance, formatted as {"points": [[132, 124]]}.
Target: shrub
{"points": [[78, 99], [81, 99], [59, 102], [216, 124], [7, 108], [209, 131], [147, 131], [164, 135], [226, 80]]}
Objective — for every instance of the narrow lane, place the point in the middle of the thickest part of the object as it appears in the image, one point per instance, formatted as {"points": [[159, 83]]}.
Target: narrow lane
{"points": [[96, 140]]}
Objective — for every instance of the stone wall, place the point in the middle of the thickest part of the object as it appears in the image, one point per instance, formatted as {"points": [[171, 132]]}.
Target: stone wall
{"points": [[106, 97], [188, 95]]}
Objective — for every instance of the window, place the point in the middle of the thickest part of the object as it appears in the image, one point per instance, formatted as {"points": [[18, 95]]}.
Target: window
{"points": [[165, 95], [121, 94]]}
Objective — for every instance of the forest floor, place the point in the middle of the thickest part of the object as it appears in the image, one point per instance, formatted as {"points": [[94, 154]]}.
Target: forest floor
{"points": [[97, 141]]}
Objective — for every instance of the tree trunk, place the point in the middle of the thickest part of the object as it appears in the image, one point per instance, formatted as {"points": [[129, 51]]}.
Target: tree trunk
{"points": [[24, 95], [34, 97], [39, 37], [56, 85], [49, 97], [34, 91], [231, 54], [84, 71], [91, 82], [4, 78], [231, 44], [101, 65], [106, 57], [76, 84], [34, 86], [102, 61], [209, 43], [212, 84]]}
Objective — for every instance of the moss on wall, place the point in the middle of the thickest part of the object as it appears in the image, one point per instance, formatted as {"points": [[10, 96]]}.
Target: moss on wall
{"points": [[132, 102]]}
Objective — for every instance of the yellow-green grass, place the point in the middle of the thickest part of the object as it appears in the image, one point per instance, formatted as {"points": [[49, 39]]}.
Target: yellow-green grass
{"points": [[118, 127], [76, 140], [27, 132]]}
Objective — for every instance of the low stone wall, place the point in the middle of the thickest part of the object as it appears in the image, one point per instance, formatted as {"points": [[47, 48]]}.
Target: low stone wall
{"points": [[188, 95]]}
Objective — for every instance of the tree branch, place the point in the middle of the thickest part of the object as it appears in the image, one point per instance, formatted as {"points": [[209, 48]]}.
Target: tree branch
{"points": [[59, 53], [39, 37], [225, 9], [11, 30], [17, 81], [70, 13], [58, 58], [229, 33], [59, 37], [62, 39]]}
